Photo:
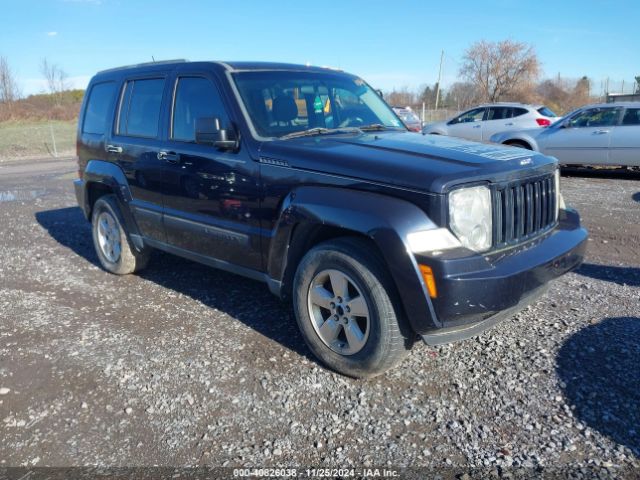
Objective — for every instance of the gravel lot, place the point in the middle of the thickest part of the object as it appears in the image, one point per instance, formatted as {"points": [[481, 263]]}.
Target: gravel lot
{"points": [[184, 365]]}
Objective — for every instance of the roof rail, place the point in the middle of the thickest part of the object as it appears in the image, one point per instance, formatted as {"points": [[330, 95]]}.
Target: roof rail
{"points": [[146, 64]]}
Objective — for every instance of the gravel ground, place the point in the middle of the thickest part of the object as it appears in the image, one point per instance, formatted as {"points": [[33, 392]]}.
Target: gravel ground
{"points": [[184, 365]]}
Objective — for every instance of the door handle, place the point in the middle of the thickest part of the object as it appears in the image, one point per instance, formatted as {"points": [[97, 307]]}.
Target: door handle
{"points": [[600, 132], [509, 124], [477, 126], [169, 157], [113, 148]]}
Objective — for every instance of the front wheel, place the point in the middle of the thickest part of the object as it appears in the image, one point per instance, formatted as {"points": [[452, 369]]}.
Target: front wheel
{"points": [[344, 305]]}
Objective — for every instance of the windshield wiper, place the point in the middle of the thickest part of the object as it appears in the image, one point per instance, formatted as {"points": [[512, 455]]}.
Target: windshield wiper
{"points": [[375, 127], [320, 131]]}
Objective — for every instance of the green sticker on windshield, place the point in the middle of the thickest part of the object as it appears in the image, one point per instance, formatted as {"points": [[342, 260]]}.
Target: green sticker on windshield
{"points": [[317, 105]]}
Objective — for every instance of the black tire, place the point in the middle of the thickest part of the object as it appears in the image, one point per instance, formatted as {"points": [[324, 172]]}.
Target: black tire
{"points": [[128, 260], [389, 335], [519, 143]]}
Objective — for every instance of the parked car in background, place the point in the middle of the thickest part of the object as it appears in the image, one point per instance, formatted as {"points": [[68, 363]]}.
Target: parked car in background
{"points": [[604, 134], [409, 118], [480, 122]]}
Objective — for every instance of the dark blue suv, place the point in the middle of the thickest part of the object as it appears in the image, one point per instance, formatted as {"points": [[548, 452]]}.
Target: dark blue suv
{"points": [[304, 178]]}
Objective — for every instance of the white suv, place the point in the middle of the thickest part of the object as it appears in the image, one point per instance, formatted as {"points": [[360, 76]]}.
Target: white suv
{"points": [[483, 121]]}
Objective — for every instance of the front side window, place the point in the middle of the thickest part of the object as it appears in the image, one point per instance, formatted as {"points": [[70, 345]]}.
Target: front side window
{"points": [[631, 117], [284, 102], [474, 115], [196, 97], [98, 105], [140, 108], [595, 117]]}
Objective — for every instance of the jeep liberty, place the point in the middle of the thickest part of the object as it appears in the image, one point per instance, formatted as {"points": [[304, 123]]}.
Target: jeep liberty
{"points": [[305, 179]]}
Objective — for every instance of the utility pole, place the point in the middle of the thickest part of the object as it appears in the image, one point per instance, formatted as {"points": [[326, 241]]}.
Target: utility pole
{"points": [[439, 78]]}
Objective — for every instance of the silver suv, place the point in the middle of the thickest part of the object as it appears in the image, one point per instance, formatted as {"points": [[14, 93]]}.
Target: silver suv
{"points": [[483, 121]]}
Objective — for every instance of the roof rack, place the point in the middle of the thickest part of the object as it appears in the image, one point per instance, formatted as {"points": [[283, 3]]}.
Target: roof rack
{"points": [[146, 64]]}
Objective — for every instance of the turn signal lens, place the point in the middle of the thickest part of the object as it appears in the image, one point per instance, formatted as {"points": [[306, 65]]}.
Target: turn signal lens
{"points": [[429, 280]]}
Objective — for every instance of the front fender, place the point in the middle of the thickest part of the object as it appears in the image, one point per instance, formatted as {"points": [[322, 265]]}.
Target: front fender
{"points": [[385, 220]]}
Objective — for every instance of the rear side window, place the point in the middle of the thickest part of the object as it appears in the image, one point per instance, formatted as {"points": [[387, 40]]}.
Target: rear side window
{"points": [[498, 113], [517, 111], [196, 97], [546, 112], [140, 107], [97, 113], [631, 117]]}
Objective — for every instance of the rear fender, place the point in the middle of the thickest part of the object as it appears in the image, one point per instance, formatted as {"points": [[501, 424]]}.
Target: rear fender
{"points": [[110, 175]]}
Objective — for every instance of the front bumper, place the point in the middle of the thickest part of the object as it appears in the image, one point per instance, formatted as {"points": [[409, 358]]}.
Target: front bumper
{"points": [[476, 292]]}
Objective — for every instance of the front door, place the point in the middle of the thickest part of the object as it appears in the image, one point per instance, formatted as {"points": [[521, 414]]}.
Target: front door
{"points": [[468, 125], [625, 140], [583, 139], [211, 197]]}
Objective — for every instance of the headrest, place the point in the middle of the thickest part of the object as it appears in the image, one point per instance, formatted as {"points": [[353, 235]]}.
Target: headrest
{"points": [[285, 108]]}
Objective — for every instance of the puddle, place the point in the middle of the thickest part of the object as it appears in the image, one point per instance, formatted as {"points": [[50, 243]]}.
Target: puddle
{"points": [[20, 195]]}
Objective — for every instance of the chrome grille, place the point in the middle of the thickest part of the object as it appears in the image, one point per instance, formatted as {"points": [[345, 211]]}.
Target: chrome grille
{"points": [[523, 209]]}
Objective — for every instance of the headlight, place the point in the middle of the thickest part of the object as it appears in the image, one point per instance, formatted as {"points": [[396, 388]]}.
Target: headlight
{"points": [[470, 217]]}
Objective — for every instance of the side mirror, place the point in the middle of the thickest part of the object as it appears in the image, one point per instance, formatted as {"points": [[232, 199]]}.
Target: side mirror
{"points": [[209, 132]]}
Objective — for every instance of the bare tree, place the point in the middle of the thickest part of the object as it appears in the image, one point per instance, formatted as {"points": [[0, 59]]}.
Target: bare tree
{"points": [[57, 79], [9, 90], [500, 69], [401, 97], [462, 95]]}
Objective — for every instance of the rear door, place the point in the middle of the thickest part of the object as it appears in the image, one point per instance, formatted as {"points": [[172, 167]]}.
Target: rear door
{"points": [[468, 125], [498, 119], [134, 146], [584, 138], [211, 197], [625, 140]]}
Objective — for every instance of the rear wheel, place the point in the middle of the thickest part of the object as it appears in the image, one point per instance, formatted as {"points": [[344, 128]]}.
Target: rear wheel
{"points": [[518, 143], [344, 305], [115, 251]]}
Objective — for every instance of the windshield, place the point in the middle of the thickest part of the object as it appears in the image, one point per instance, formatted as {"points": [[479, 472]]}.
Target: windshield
{"points": [[284, 102]]}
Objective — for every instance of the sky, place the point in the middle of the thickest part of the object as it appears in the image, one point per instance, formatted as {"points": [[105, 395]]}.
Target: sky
{"points": [[391, 44]]}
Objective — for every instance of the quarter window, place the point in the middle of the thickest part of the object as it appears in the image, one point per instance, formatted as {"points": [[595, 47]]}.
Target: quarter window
{"points": [[196, 97], [98, 107], [517, 111], [140, 108]]}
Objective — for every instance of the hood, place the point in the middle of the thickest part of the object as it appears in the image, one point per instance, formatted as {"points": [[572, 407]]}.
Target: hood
{"points": [[431, 163]]}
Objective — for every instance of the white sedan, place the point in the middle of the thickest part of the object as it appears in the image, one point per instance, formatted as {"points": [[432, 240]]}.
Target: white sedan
{"points": [[603, 134], [482, 121]]}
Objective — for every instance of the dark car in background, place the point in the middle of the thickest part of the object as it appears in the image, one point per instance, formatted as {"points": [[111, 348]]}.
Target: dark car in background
{"points": [[305, 179]]}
